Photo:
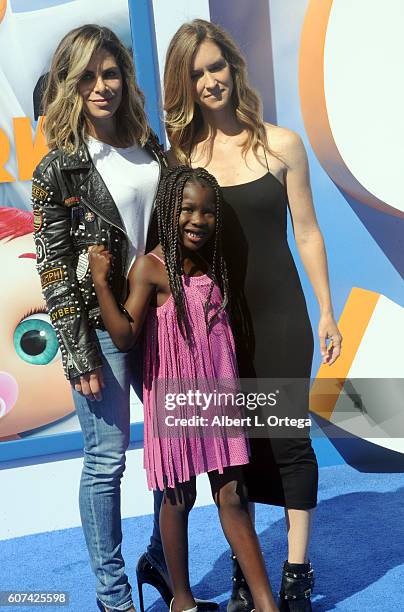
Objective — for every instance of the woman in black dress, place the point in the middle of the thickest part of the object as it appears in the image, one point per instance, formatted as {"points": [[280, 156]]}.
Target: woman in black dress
{"points": [[214, 120]]}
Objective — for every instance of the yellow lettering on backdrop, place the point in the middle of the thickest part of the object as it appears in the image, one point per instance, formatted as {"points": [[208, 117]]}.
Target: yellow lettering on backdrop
{"points": [[5, 176], [29, 153]]}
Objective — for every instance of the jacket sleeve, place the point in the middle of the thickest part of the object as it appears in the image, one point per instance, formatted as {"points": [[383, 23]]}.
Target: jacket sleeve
{"points": [[56, 265]]}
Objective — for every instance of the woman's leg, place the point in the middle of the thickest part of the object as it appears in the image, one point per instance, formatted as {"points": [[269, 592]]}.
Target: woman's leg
{"points": [[105, 427], [175, 508], [230, 496], [300, 499], [298, 523], [298, 575]]}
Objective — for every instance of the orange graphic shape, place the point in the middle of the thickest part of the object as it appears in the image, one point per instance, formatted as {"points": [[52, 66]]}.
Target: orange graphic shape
{"points": [[3, 6], [352, 324], [29, 153], [314, 106]]}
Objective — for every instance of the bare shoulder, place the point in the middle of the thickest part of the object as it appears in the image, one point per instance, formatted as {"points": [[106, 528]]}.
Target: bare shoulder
{"points": [[146, 269], [171, 158], [286, 142]]}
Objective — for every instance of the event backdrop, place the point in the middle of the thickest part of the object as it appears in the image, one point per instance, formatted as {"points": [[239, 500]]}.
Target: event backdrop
{"points": [[36, 409], [320, 73]]}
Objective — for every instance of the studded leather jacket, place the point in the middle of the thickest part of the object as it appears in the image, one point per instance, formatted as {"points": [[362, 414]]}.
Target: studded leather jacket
{"points": [[73, 209]]}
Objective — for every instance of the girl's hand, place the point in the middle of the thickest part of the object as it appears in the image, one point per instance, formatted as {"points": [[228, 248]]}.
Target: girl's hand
{"points": [[100, 263], [328, 330]]}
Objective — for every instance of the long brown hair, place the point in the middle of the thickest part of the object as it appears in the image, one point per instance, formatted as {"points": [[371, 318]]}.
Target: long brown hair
{"points": [[65, 124], [183, 116]]}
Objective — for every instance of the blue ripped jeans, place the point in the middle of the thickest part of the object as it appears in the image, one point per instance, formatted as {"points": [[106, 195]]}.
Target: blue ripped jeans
{"points": [[105, 427]]}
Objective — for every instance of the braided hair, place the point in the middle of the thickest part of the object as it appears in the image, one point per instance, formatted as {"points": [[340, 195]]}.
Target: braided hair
{"points": [[168, 207]]}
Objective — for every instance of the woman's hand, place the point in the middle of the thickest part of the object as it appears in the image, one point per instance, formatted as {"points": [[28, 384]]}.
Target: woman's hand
{"points": [[90, 385], [100, 263], [328, 330]]}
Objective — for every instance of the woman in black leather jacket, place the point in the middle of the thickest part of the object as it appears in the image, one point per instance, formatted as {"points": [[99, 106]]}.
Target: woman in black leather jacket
{"points": [[96, 186]]}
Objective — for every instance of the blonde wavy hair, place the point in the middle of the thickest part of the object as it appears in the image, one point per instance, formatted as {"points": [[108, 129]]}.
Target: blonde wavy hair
{"points": [[183, 116], [65, 123]]}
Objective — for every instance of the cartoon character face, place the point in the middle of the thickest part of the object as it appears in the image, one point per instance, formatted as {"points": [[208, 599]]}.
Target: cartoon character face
{"points": [[33, 390]]}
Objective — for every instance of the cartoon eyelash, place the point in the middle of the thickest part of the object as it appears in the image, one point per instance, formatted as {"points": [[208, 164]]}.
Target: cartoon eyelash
{"points": [[35, 310]]}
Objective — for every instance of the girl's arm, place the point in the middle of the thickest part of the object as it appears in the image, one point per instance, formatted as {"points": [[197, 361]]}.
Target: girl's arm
{"points": [[309, 241], [123, 328]]}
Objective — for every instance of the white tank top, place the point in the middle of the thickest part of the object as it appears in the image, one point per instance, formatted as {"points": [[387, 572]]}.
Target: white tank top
{"points": [[131, 175]]}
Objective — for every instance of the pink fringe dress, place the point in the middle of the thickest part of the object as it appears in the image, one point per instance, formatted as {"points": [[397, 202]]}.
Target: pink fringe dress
{"points": [[171, 458]]}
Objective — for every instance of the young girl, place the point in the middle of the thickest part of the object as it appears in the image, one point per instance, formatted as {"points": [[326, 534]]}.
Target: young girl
{"points": [[188, 337]]}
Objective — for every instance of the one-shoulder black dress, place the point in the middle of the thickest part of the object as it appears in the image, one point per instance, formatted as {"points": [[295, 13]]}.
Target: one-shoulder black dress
{"points": [[263, 275]]}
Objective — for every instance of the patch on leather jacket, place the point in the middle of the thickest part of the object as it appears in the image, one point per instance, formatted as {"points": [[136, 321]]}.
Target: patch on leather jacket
{"points": [[51, 276], [66, 311], [39, 193], [37, 219], [82, 266], [55, 291], [72, 201], [41, 254], [94, 312]]}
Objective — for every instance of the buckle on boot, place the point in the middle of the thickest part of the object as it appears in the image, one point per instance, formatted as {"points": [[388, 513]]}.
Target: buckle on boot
{"points": [[238, 580], [308, 574]]}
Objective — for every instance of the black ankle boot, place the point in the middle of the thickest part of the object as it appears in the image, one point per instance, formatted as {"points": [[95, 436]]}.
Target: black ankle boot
{"points": [[296, 588], [241, 599]]}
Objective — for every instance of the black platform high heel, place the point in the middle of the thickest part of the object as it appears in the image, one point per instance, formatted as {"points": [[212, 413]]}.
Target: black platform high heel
{"points": [[102, 608], [146, 573], [296, 588], [99, 605], [241, 599]]}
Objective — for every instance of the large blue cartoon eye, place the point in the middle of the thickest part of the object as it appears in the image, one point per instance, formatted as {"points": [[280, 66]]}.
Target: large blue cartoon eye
{"points": [[35, 340]]}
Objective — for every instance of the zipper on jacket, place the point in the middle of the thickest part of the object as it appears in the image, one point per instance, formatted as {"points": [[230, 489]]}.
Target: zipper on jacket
{"points": [[96, 210]]}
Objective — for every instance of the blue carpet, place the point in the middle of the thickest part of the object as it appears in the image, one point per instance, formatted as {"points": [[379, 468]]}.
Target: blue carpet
{"points": [[357, 550]]}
